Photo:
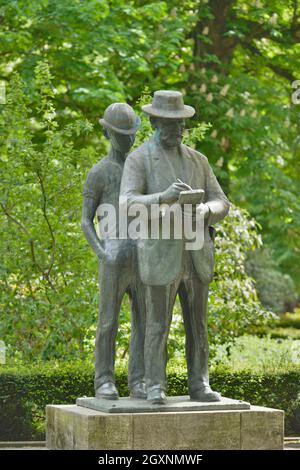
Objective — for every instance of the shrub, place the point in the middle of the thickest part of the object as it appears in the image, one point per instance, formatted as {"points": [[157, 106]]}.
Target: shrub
{"points": [[290, 320], [279, 333], [46, 307]]}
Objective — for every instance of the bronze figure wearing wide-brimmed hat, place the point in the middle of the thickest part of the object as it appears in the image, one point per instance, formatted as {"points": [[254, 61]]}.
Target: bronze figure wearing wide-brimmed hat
{"points": [[156, 173], [168, 104]]}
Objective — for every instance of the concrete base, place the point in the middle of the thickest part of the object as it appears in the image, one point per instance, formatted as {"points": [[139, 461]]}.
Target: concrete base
{"points": [[77, 427]]}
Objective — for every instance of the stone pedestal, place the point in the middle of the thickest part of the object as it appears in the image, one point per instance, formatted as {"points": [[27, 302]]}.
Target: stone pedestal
{"points": [[247, 428]]}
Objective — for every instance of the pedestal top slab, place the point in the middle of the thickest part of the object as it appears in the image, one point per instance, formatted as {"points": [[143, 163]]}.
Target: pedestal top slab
{"points": [[173, 404]]}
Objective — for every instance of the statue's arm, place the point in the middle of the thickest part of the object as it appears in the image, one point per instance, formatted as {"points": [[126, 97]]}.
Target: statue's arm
{"points": [[91, 201], [215, 198]]}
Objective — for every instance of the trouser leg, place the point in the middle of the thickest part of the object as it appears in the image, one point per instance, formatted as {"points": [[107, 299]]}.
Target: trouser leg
{"points": [[111, 294], [158, 319], [136, 366], [193, 297]]}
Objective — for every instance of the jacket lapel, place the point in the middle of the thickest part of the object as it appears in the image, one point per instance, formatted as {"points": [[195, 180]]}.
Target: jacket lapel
{"points": [[160, 169], [188, 165]]}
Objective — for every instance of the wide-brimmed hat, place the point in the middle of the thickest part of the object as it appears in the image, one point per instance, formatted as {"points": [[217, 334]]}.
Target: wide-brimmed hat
{"points": [[168, 104], [120, 117]]}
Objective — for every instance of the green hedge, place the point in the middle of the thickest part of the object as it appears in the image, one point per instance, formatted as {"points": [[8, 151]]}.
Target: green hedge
{"points": [[278, 333], [289, 322], [24, 393]]}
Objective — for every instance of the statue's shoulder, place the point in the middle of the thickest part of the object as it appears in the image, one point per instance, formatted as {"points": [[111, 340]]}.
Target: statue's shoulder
{"points": [[194, 154], [98, 171]]}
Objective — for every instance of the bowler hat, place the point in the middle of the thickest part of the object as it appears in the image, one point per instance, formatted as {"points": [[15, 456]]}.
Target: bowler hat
{"points": [[168, 104], [120, 117]]}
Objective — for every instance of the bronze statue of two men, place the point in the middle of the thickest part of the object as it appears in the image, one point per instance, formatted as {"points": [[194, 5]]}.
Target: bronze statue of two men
{"points": [[152, 270]]}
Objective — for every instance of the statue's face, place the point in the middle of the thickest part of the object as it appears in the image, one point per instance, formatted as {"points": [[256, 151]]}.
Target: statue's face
{"points": [[170, 131], [121, 142]]}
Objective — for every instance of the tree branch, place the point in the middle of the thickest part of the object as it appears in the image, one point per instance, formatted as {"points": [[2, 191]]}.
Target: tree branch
{"points": [[271, 65], [44, 210], [31, 244], [25, 231]]}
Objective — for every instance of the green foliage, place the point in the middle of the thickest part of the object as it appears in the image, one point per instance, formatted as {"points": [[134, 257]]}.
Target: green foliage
{"points": [[290, 320], [99, 51], [46, 307], [278, 333], [285, 327], [25, 392]]}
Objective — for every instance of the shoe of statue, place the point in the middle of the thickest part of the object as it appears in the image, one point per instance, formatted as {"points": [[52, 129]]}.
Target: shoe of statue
{"points": [[156, 396], [108, 391], [138, 390], [205, 394]]}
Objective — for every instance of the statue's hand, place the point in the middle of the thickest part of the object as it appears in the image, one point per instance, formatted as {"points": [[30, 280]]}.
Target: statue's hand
{"points": [[172, 193]]}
